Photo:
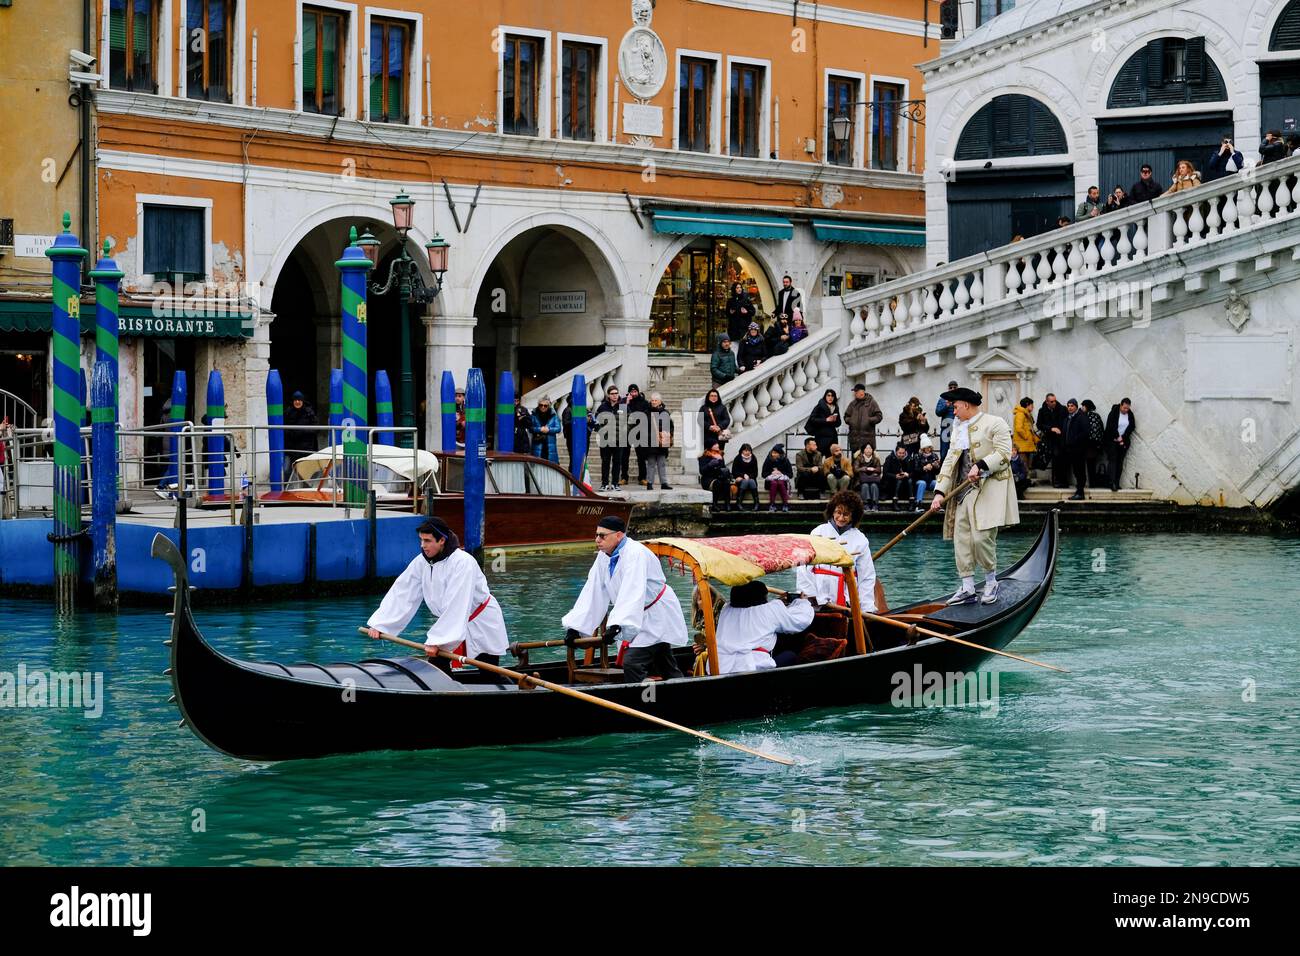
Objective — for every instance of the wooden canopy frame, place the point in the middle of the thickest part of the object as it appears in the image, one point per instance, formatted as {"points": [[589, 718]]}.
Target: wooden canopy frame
{"points": [[687, 561]]}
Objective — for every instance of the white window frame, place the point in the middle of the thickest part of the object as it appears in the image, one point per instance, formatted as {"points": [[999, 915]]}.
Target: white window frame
{"points": [[544, 94], [715, 108], [902, 134], [238, 63], [164, 45], [415, 91], [349, 58], [601, 116], [189, 202], [764, 107], [859, 116]]}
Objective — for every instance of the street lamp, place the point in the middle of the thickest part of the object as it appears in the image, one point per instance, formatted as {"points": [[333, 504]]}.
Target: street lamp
{"points": [[840, 127], [411, 289]]}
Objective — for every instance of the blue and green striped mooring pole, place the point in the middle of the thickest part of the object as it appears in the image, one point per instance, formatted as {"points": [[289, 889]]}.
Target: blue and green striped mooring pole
{"points": [[66, 254], [449, 411], [383, 407], [506, 413], [475, 461], [275, 435], [216, 444], [103, 431], [578, 428], [354, 266]]}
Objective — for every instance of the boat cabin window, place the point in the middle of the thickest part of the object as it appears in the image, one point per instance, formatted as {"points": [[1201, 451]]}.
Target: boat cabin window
{"points": [[453, 473], [550, 480], [508, 477]]}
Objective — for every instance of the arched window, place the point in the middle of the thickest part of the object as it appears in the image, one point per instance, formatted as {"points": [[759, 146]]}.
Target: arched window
{"points": [[1286, 32], [1011, 125], [1166, 71]]}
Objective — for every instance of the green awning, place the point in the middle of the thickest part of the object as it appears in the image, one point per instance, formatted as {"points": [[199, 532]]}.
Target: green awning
{"points": [[187, 320], [739, 225], [869, 233]]}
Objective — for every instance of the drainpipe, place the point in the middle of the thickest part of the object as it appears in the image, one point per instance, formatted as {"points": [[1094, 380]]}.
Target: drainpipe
{"points": [[85, 137]]}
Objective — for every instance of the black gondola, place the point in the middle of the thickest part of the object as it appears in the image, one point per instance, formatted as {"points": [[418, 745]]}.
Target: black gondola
{"points": [[268, 711]]}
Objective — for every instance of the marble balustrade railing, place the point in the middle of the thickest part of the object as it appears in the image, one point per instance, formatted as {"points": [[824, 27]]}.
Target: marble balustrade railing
{"points": [[600, 371], [1086, 250]]}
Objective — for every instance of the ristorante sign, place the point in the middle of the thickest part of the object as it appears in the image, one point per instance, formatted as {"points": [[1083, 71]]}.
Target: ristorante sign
{"points": [[166, 326]]}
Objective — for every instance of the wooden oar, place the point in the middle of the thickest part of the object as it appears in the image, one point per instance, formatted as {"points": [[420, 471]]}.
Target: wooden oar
{"points": [[867, 615], [558, 642], [577, 695], [917, 523]]}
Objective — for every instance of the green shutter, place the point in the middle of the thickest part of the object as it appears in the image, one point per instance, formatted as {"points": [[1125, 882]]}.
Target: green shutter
{"points": [[117, 30], [330, 55], [308, 53], [140, 27]]}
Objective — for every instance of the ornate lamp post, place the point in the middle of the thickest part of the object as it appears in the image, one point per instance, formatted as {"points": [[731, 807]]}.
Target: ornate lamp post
{"points": [[410, 289]]}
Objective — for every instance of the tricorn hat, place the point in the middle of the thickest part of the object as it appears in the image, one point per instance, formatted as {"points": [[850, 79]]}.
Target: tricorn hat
{"points": [[963, 395]]}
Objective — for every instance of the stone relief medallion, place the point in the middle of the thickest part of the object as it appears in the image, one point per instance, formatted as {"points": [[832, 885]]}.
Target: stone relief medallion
{"points": [[642, 62], [1238, 310], [642, 12]]}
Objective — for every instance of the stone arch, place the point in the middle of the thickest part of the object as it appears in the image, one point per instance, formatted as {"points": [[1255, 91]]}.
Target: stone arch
{"points": [[1219, 47], [600, 251], [351, 211], [761, 248], [1261, 19], [1058, 99]]}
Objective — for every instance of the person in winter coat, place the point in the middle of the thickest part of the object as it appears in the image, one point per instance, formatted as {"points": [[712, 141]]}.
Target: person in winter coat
{"points": [[715, 477], [752, 350], [1225, 161], [867, 472], [723, 365], [1120, 427], [524, 428], [777, 337], [798, 328], [1024, 438], [1116, 201], [715, 420], [896, 482], [740, 312], [925, 470], [1273, 148], [661, 429], [809, 479], [546, 431], [1096, 455], [299, 437], [943, 408], [1075, 443], [1051, 434], [1185, 177], [862, 416], [838, 467], [1145, 189], [913, 424], [638, 429], [777, 474], [824, 422], [611, 429], [744, 476]]}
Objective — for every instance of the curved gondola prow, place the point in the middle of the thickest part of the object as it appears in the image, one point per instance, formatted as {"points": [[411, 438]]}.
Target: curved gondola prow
{"points": [[183, 628]]}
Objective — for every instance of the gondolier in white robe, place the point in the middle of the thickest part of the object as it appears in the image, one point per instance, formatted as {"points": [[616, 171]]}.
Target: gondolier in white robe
{"points": [[980, 450], [825, 584], [646, 614], [749, 623], [451, 584]]}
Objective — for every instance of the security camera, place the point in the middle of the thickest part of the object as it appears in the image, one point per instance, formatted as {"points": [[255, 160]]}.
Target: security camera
{"points": [[82, 59]]}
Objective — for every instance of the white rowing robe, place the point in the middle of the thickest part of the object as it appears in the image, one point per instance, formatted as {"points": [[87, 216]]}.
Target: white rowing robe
{"points": [[743, 631], [638, 579], [451, 588], [826, 586]]}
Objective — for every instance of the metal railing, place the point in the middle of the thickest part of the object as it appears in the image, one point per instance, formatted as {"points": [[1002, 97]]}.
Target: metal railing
{"points": [[145, 470]]}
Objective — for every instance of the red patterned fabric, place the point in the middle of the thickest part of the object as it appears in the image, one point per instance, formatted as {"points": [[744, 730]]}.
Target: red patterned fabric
{"points": [[771, 552]]}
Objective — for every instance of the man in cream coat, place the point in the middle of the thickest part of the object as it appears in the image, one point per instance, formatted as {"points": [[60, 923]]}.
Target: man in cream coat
{"points": [[646, 614], [980, 450]]}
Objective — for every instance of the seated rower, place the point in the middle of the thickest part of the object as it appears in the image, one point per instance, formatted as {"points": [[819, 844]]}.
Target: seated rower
{"points": [[825, 583], [647, 617], [749, 624], [452, 585]]}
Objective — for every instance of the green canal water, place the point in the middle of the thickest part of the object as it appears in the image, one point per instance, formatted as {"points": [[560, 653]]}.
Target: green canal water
{"points": [[1174, 739]]}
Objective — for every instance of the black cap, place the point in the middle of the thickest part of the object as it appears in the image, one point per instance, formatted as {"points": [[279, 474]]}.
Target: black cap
{"points": [[612, 522], [436, 527], [753, 594], [953, 383], [859, 387], [963, 395]]}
